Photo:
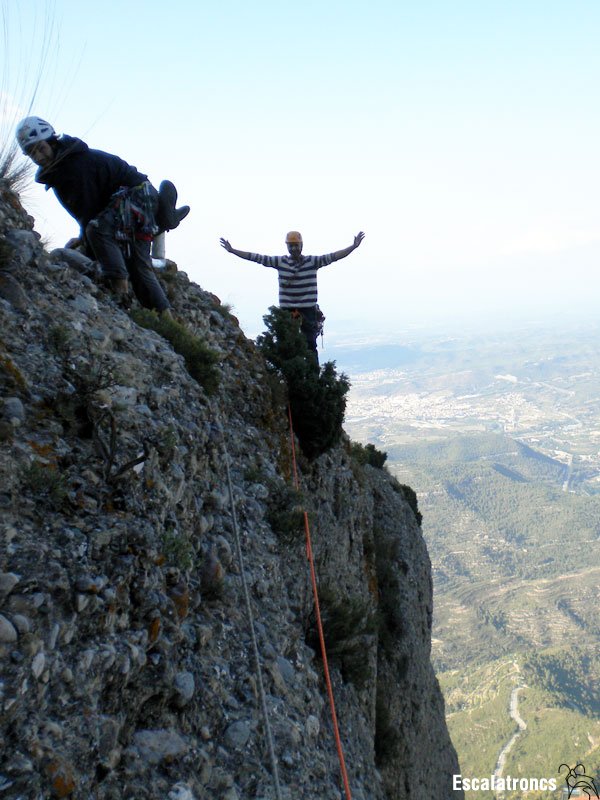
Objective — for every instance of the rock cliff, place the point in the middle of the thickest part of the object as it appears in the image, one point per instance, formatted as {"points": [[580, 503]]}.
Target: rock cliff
{"points": [[126, 658]]}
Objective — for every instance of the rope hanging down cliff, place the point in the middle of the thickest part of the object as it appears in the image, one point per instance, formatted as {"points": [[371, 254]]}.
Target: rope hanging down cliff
{"points": [[313, 577], [261, 688], [309, 553]]}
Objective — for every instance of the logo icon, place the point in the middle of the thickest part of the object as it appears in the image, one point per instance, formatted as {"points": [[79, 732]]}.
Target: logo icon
{"points": [[577, 779]]}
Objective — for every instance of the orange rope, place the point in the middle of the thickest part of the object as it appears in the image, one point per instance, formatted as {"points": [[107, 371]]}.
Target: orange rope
{"points": [[313, 578]]}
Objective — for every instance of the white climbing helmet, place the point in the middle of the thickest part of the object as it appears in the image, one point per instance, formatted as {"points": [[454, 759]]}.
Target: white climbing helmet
{"points": [[31, 130]]}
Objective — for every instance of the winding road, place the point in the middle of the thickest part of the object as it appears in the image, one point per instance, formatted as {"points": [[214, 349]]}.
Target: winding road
{"points": [[513, 710]]}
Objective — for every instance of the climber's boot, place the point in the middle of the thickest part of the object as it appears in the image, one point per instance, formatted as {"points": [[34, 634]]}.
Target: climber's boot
{"points": [[168, 216]]}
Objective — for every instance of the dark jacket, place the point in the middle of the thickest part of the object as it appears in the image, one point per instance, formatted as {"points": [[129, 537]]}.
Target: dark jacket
{"points": [[83, 180]]}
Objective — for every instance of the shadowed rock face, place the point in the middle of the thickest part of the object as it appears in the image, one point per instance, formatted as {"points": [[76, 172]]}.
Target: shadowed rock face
{"points": [[126, 666]]}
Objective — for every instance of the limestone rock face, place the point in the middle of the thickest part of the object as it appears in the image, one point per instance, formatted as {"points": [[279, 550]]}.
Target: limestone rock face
{"points": [[126, 653]]}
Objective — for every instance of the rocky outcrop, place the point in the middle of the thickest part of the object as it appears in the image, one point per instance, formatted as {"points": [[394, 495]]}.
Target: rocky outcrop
{"points": [[126, 667]]}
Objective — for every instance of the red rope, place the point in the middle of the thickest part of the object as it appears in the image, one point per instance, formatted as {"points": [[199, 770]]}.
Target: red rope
{"points": [[313, 578]]}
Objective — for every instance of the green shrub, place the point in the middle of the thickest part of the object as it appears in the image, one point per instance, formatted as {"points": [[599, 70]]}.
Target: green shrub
{"points": [[177, 550], [225, 310], [15, 170], [410, 496], [59, 339], [253, 474], [46, 482], [285, 513], [317, 396], [368, 454], [200, 360], [389, 620], [166, 442], [346, 623]]}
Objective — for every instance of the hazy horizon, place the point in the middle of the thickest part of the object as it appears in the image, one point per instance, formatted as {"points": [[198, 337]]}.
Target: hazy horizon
{"points": [[461, 138]]}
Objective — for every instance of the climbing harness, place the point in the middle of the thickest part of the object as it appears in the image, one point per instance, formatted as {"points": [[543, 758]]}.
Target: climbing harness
{"points": [[319, 322], [132, 210], [296, 314], [261, 688], [313, 578]]}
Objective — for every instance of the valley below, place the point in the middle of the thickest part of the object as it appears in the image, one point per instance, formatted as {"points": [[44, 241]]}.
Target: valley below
{"points": [[499, 435]]}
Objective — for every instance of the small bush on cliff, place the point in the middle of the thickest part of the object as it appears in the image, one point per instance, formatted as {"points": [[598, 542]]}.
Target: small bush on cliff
{"points": [[46, 483], [177, 550], [226, 311], [317, 396], [346, 623], [200, 360], [368, 454], [284, 512], [389, 567], [60, 339], [14, 171], [410, 496]]}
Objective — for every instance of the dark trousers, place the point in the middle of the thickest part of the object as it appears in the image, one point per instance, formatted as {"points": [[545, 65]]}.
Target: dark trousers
{"points": [[309, 327], [137, 266]]}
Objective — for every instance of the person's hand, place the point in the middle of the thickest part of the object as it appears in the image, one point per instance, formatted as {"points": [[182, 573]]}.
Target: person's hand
{"points": [[358, 238], [226, 245], [73, 244]]}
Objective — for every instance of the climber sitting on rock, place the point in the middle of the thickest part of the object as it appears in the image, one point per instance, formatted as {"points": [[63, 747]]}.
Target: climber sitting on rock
{"points": [[117, 208], [298, 280]]}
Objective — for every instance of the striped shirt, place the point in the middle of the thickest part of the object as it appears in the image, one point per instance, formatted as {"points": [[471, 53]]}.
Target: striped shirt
{"points": [[297, 279]]}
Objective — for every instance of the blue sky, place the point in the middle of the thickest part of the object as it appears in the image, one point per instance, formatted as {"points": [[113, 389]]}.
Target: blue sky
{"points": [[461, 136]]}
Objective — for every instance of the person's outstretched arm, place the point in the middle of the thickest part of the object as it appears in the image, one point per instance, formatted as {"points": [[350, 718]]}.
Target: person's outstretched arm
{"points": [[347, 250], [266, 261], [240, 253]]}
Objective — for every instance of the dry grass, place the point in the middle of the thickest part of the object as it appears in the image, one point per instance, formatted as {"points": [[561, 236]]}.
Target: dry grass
{"points": [[15, 171], [30, 61]]}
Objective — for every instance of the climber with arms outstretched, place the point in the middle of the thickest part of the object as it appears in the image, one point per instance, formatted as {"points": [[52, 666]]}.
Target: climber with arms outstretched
{"points": [[298, 279], [117, 208]]}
